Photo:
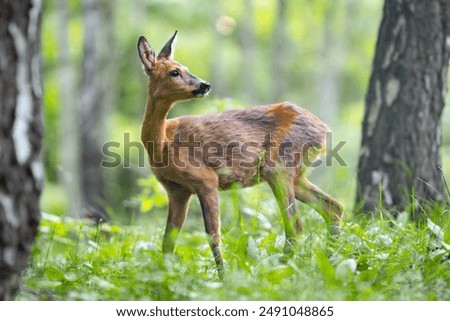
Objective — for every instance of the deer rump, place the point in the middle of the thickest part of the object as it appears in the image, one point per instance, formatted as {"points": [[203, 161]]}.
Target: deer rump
{"points": [[242, 146]]}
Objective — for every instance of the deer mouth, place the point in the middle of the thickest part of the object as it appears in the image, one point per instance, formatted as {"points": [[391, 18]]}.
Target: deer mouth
{"points": [[202, 90]]}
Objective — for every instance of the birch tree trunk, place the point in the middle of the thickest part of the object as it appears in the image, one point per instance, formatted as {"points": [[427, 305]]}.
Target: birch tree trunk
{"points": [[401, 130], [21, 173]]}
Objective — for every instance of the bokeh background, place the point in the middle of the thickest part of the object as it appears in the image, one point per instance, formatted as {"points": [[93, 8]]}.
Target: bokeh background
{"points": [[315, 53]]}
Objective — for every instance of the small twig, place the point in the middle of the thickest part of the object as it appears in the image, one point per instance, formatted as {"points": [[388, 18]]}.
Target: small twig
{"points": [[429, 185], [445, 181], [433, 188]]}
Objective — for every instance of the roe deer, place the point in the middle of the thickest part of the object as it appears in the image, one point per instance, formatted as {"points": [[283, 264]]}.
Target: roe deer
{"points": [[201, 154]]}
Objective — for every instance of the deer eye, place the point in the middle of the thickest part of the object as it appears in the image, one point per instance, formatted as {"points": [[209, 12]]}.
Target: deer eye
{"points": [[174, 73]]}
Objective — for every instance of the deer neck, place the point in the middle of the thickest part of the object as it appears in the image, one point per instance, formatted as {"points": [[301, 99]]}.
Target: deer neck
{"points": [[153, 131]]}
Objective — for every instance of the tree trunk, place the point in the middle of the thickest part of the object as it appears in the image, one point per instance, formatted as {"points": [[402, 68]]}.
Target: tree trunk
{"points": [[91, 122], [248, 53], [399, 157], [218, 68], [21, 173], [333, 55], [109, 60], [279, 48], [69, 149]]}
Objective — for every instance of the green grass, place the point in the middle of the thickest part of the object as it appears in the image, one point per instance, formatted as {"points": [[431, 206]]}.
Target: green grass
{"points": [[372, 258]]}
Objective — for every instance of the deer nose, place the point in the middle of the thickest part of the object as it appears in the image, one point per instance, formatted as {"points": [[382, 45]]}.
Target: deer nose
{"points": [[204, 87]]}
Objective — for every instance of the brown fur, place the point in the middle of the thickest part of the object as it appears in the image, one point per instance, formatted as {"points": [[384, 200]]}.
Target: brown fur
{"points": [[200, 154]]}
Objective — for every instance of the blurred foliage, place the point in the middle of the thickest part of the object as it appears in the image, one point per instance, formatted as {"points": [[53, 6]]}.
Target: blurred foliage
{"points": [[211, 32]]}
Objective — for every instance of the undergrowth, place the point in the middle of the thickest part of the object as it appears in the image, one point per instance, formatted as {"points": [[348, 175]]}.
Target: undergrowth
{"points": [[372, 258]]}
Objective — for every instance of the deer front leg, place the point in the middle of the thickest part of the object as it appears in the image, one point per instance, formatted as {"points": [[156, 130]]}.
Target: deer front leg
{"points": [[178, 206], [210, 208]]}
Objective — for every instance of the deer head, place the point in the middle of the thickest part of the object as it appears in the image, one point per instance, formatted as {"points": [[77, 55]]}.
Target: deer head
{"points": [[169, 80]]}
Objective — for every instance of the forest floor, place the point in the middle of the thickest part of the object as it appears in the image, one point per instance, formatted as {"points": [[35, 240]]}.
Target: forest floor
{"points": [[375, 257]]}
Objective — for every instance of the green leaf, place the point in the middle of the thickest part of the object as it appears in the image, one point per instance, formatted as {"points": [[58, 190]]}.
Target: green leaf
{"points": [[326, 268], [54, 273], [146, 205]]}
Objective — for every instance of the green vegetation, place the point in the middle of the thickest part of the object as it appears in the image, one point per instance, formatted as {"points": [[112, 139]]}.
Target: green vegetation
{"points": [[379, 258]]}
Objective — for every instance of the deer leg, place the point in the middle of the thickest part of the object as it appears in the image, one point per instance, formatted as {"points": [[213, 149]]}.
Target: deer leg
{"points": [[178, 206], [329, 208], [285, 196], [209, 204]]}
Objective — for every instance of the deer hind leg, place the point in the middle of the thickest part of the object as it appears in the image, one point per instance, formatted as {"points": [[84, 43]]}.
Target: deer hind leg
{"points": [[178, 206], [329, 208], [284, 192], [210, 208]]}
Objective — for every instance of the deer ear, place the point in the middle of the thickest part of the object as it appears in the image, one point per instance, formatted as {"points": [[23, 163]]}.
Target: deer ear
{"points": [[167, 51], [146, 54]]}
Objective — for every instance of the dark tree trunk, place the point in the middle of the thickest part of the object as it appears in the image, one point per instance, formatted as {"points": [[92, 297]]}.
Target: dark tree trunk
{"points": [[401, 130], [20, 137]]}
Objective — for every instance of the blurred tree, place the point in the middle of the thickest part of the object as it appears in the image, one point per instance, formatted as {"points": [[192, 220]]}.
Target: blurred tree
{"points": [[333, 53], [92, 99], [69, 147], [401, 140], [219, 27], [21, 174], [248, 53], [279, 60], [108, 62]]}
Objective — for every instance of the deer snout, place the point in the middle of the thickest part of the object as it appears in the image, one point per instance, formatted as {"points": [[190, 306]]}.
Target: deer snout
{"points": [[202, 89]]}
